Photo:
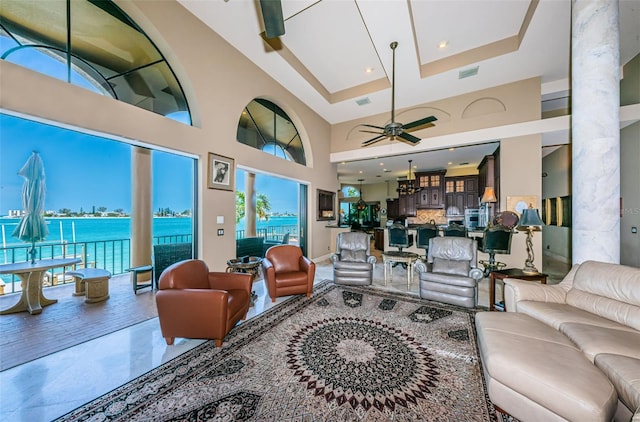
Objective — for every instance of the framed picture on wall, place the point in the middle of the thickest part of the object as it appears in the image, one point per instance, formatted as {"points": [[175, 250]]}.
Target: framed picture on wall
{"points": [[221, 172]]}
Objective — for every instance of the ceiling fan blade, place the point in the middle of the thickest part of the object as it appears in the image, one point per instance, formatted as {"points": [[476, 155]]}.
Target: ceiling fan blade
{"points": [[374, 126], [410, 138], [370, 131], [373, 140], [273, 18], [420, 122]]}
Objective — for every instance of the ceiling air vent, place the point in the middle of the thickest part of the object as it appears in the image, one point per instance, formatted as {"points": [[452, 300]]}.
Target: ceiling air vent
{"points": [[363, 101], [472, 71]]}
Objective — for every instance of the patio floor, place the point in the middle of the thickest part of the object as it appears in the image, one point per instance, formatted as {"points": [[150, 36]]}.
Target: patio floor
{"points": [[69, 322]]}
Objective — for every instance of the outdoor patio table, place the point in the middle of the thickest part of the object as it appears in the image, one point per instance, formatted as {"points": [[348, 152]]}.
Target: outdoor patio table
{"points": [[31, 276]]}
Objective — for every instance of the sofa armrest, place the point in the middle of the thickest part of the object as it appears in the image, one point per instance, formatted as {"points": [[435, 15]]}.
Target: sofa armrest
{"points": [[230, 281], [372, 260], [519, 290], [420, 266], [476, 274]]}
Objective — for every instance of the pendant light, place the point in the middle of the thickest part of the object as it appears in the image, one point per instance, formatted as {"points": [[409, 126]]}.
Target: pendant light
{"points": [[361, 205], [409, 188]]}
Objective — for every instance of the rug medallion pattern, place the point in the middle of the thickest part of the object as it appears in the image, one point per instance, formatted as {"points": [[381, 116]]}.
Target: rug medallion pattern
{"points": [[346, 354]]}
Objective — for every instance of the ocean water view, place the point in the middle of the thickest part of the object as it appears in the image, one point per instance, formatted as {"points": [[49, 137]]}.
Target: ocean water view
{"points": [[103, 242]]}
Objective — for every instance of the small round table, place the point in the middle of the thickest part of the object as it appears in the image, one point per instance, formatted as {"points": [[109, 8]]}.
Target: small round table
{"points": [[391, 257], [250, 265]]}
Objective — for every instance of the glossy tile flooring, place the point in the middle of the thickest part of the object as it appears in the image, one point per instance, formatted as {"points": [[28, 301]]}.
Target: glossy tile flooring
{"points": [[49, 387]]}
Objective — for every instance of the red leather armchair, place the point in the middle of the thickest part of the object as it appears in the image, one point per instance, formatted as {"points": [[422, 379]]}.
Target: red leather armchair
{"points": [[287, 272], [195, 303]]}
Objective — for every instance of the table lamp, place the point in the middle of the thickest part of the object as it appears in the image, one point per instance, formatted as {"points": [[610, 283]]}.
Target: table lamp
{"points": [[530, 222], [488, 197]]}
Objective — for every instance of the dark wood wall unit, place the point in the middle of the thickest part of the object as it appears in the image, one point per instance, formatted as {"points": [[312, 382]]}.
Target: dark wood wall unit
{"points": [[378, 239], [393, 209], [461, 192], [432, 194], [489, 175]]}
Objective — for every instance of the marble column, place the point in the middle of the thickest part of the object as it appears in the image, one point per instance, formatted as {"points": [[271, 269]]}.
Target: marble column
{"points": [[595, 124], [250, 205], [141, 207]]}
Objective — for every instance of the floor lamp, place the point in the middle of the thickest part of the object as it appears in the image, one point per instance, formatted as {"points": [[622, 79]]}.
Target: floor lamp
{"points": [[530, 221]]}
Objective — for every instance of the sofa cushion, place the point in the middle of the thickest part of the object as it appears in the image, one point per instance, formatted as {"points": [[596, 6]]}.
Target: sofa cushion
{"points": [[593, 340], [609, 290], [556, 314], [624, 373], [539, 363]]}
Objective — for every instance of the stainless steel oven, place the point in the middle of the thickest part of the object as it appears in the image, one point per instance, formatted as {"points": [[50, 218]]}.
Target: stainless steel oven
{"points": [[471, 218]]}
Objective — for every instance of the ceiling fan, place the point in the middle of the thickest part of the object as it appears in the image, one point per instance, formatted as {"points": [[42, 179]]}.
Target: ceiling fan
{"points": [[272, 17], [395, 129]]}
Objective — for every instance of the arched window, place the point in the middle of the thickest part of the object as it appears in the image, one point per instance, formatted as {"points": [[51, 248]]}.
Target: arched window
{"points": [[265, 126], [95, 45]]}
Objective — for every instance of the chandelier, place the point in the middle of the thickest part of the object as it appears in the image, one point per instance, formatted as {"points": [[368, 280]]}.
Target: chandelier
{"points": [[361, 205], [409, 188]]}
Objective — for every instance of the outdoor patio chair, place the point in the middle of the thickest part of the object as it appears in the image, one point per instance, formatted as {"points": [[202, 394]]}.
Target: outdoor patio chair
{"points": [[164, 255]]}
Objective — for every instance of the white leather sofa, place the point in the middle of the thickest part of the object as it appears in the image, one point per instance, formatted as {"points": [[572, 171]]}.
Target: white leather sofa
{"points": [[569, 351]]}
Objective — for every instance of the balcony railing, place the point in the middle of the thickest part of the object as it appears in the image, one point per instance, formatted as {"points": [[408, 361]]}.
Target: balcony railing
{"points": [[274, 233], [111, 255]]}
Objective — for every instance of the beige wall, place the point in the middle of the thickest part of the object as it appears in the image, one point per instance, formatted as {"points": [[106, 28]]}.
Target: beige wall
{"points": [[510, 103], [219, 83]]}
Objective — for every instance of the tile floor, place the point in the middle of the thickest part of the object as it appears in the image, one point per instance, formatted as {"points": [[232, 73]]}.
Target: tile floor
{"points": [[49, 387]]}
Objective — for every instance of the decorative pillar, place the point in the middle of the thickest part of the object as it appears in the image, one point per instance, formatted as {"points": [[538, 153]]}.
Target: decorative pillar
{"points": [[141, 207], [595, 124], [250, 205]]}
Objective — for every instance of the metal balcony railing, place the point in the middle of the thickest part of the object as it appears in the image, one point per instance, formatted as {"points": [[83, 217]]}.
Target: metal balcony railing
{"points": [[111, 255]]}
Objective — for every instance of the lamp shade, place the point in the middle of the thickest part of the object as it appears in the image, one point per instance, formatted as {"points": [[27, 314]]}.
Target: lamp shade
{"points": [[530, 218], [489, 195]]}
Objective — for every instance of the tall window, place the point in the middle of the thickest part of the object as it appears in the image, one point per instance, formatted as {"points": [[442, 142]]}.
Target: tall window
{"points": [[265, 126], [95, 45]]}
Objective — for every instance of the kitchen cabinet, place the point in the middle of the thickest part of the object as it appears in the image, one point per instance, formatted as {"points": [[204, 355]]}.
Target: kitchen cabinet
{"points": [[378, 239], [393, 209], [407, 205], [461, 192], [489, 175], [432, 193]]}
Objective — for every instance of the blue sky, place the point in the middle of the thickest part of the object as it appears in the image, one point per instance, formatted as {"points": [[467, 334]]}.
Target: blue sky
{"points": [[86, 171], [83, 170]]}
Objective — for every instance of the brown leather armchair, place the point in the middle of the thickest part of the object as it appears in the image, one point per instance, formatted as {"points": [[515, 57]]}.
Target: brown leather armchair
{"points": [[287, 272], [195, 303]]}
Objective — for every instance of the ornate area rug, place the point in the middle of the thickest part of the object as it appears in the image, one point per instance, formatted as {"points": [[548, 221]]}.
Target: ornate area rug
{"points": [[345, 354]]}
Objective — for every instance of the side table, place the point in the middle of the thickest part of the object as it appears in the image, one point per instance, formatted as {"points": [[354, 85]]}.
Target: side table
{"points": [[250, 265], [510, 273], [391, 257]]}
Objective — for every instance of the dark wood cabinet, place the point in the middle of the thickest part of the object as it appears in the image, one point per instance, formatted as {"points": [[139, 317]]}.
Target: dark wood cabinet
{"points": [[432, 193], [378, 239], [407, 205], [393, 209], [489, 175], [461, 192]]}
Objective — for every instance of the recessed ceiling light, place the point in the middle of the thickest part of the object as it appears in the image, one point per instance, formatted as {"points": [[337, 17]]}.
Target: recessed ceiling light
{"points": [[369, 70], [443, 44], [452, 149], [449, 163], [344, 162], [382, 164], [361, 171]]}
